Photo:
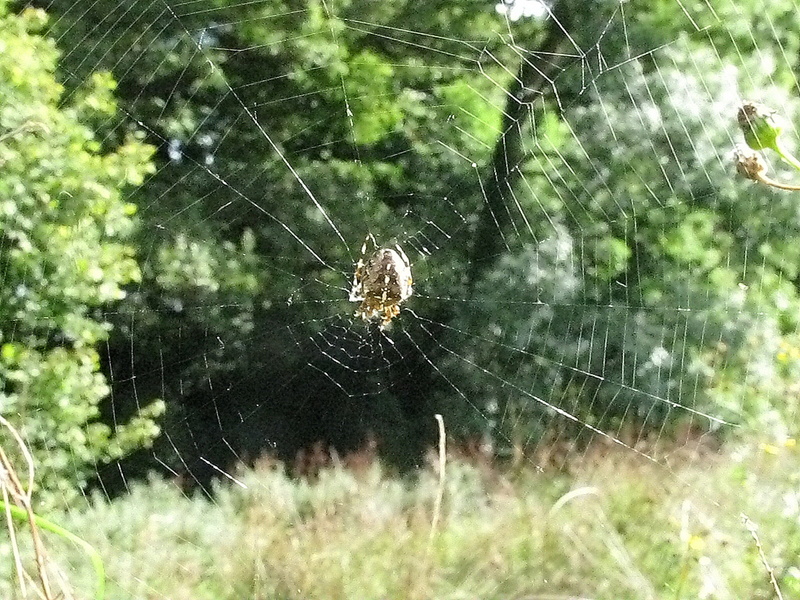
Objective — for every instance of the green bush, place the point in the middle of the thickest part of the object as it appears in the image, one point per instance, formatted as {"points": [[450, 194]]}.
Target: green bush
{"points": [[63, 255]]}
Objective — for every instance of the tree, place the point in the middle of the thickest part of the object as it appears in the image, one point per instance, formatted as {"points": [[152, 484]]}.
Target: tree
{"points": [[545, 198], [231, 304], [64, 254], [661, 273]]}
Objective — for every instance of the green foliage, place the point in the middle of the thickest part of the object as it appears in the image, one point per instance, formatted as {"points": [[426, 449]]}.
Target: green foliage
{"points": [[64, 228], [364, 131], [664, 256], [629, 255]]}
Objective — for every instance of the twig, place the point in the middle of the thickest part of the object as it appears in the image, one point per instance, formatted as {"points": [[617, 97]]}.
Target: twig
{"points": [[437, 506], [751, 527], [26, 126]]}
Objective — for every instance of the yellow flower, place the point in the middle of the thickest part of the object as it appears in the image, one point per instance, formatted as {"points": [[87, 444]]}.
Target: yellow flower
{"points": [[769, 449], [697, 543]]}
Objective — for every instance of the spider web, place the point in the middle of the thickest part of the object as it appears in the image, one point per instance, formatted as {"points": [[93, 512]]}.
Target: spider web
{"points": [[359, 363], [537, 315]]}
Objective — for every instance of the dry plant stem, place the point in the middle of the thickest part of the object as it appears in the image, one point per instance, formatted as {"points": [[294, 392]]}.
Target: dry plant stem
{"points": [[437, 507], [97, 562], [751, 527], [25, 453], [629, 575], [572, 495], [27, 126], [777, 184], [14, 546], [4, 480], [23, 496]]}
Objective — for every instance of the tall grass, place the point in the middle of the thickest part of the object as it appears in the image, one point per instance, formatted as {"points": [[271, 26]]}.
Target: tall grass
{"points": [[615, 527], [16, 504]]}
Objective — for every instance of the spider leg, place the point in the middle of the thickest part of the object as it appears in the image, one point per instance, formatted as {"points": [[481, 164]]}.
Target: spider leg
{"points": [[356, 290], [369, 237]]}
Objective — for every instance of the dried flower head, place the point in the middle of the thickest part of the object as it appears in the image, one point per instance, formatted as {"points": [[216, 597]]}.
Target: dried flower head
{"points": [[749, 163]]}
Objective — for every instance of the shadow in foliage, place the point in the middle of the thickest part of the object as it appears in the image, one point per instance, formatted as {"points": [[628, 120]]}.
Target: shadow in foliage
{"points": [[338, 388]]}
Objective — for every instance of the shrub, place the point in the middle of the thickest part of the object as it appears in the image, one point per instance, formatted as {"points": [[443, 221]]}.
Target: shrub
{"points": [[63, 254]]}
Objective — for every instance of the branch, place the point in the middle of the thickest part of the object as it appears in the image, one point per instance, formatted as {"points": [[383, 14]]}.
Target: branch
{"points": [[508, 154]]}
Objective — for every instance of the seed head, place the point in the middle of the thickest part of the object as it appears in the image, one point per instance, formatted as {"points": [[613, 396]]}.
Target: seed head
{"points": [[749, 162], [760, 124]]}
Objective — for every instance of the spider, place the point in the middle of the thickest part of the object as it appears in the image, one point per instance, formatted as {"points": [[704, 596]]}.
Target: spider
{"points": [[381, 283]]}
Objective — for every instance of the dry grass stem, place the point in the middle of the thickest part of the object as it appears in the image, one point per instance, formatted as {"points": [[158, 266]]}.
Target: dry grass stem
{"points": [[14, 491], [751, 527], [437, 506]]}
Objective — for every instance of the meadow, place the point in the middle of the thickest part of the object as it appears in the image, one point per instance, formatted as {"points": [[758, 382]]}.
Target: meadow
{"points": [[601, 523]]}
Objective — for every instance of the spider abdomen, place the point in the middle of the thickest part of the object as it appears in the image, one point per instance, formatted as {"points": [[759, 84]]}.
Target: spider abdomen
{"points": [[381, 283]]}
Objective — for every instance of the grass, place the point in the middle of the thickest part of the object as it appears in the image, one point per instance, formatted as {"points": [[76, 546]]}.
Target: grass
{"points": [[16, 505], [614, 527]]}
